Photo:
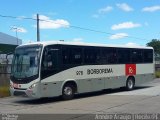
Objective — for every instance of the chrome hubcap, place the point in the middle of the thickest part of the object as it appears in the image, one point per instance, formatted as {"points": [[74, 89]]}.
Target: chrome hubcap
{"points": [[68, 91], [130, 83]]}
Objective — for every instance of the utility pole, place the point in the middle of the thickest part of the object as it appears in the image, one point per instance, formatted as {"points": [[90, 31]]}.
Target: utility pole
{"points": [[17, 35], [38, 32]]}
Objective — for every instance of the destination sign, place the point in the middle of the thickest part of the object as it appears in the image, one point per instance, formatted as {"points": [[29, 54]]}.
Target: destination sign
{"points": [[96, 71], [99, 71]]}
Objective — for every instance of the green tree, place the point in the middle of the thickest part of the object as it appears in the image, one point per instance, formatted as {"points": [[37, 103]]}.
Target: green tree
{"points": [[155, 43]]}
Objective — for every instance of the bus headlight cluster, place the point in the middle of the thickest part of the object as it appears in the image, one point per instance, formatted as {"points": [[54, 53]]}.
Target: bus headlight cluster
{"points": [[32, 86]]}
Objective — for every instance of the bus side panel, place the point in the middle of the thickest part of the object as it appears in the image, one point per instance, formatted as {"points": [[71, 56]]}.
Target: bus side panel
{"points": [[50, 89], [144, 73], [97, 84], [84, 85], [89, 85], [143, 78], [89, 78], [144, 68], [115, 82]]}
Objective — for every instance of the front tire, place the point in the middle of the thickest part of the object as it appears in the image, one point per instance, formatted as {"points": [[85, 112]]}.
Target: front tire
{"points": [[130, 84], [68, 92]]}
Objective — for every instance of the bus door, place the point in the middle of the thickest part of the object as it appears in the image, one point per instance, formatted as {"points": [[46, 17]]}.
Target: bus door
{"points": [[49, 67]]}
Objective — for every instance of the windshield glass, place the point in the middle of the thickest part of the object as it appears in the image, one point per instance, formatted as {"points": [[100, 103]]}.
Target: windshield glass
{"points": [[26, 62]]}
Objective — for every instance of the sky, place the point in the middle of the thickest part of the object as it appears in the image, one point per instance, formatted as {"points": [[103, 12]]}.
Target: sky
{"points": [[124, 22]]}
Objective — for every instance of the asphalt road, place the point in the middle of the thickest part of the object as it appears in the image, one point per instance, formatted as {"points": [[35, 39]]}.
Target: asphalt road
{"points": [[144, 99]]}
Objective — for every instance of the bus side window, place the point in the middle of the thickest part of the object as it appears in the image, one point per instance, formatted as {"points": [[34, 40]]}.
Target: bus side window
{"points": [[76, 56], [66, 56], [136, 56], [148, 56], [49, 60], [90, 56], [111, 56], [44, 61], [49, 64], [124, 56], [104, 56], [72, 56]]}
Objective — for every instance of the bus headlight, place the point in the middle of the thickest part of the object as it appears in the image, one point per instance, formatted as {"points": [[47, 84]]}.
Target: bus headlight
{"points": [[32, 86]]}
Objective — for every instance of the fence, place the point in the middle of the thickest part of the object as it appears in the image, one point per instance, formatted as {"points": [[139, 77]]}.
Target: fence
{"points": [[157, 67], [5, 69], [4, 80]]}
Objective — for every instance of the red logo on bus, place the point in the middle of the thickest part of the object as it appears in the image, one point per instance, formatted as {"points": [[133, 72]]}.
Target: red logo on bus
{"points": [[130, 69]]}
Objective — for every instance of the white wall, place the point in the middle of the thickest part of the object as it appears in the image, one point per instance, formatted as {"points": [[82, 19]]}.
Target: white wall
{"points": [[7, 39]]}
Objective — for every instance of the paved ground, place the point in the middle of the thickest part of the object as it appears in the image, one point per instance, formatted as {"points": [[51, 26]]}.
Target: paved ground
{"points": [[144, 99]]}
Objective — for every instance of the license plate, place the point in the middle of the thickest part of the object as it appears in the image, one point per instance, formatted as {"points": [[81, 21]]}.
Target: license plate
{"points": [[15, 85]]}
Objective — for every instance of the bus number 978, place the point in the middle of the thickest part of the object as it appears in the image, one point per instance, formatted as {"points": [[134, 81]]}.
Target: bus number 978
{"points": [[79, 73]]}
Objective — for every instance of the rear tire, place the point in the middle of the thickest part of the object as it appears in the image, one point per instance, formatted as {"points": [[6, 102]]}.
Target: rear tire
{"points": [[68, 92], [130, 84]]}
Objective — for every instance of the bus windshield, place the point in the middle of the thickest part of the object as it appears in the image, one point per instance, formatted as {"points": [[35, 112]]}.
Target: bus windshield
{"points": [[26, 62]]}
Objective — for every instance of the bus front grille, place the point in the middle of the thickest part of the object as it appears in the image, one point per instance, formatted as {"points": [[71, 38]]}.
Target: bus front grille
{"points": [[19, 93]]}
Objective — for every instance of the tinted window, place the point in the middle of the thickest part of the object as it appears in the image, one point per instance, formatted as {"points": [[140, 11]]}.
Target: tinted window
{"points": [[136, 56], [50, 61], [104, 56], [123, 55], [76, 55], [66, 55], [89, 56], [148, 56], [72, 55], [109, 56]]}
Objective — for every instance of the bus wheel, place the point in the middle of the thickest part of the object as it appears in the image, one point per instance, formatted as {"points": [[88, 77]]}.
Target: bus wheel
{"points": [[68, 92], [130, 83]]}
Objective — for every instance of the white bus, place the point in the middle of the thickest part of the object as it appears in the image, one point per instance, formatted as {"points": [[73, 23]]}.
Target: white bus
{"points": [[48, 69]]}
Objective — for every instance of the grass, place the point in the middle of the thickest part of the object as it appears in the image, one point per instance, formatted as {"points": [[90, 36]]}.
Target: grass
{"points": [[4, 91], [157, 74]]}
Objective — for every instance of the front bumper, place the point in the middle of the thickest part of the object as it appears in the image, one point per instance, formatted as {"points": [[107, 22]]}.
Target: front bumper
{"points": [[23, 93]]}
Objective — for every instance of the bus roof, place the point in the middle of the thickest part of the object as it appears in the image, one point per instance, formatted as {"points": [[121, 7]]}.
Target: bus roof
{"points": [[45, 43]]}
